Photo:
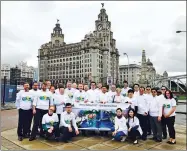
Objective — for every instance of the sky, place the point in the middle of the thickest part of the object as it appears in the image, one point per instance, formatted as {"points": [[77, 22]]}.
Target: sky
{"points": [[136, 25]]}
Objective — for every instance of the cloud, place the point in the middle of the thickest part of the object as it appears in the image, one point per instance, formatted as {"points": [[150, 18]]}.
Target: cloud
{"points": [[136, 26]]}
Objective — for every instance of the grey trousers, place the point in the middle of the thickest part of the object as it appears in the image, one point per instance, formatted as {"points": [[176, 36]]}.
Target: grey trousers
{"points": [[156, 127]]}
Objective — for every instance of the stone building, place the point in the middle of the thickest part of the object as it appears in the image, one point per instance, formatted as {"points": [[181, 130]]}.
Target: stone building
{"points": [[5, 71], [93, 58], [133, 75]]}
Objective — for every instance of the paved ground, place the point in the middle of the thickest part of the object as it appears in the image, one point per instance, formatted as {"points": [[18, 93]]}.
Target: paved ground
{"points": [[10, 142]]}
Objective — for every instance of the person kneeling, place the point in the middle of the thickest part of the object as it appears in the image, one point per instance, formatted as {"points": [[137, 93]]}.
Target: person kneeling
{"points": [[120, 127], [134, 129], [68, 124], [50, 124]]}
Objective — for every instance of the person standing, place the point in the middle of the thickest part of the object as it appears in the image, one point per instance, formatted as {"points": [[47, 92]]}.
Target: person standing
{"points": [[86, 88], [163, 121], [69, 91], [125, 89], [92, 94], [48, 84], [117, 98], [136, 90], [60, 100], [120, 130], [155, 112], [68, 124], [149, 98], [103, 96], [24, 101], [132, 100], [41, 105], [99, 87], [80, 95], [50, 124], [142, 112], [112, 92], [169, 108]]}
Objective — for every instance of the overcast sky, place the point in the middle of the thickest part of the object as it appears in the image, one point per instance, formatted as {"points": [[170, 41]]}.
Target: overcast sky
{"points": [[152, 26]]}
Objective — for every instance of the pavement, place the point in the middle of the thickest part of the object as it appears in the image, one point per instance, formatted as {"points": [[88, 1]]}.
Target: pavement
{"points": [[9, 139]]}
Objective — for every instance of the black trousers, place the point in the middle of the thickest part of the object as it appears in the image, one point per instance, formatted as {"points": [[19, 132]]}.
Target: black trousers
{"points": [[170, 121], [143, 123], [164, 129], [38, 122], [55, 131], [148, 124], [24, 122], [66, 134], [133, 134], [59, 117]]}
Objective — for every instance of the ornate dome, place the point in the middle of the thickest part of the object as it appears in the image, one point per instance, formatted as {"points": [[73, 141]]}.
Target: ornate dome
{"points": [[165, 74], [149, 63]]}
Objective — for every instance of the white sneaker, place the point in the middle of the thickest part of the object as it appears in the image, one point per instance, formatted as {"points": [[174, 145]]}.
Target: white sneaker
{"points": [[123, 139], [112, 139], [135, 142]]}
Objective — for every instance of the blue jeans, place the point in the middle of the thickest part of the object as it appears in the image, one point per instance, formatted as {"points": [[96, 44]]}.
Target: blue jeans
{"points": [[118, 135]]}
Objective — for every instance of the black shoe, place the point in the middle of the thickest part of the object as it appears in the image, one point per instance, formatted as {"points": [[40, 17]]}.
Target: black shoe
{"points": [[20, 138], [164, 137], [32, 138], [56, 139], [26, 136], [158, 140], [144, 139], [153, 138], [42, 135]]}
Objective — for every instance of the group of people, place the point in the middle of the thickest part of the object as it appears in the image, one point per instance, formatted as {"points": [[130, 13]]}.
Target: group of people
{"points": [[149, 113]]}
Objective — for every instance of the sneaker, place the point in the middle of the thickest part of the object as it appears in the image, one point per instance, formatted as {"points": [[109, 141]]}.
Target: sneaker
{"points": [[112, 139], [123, 139], [135, 142]]}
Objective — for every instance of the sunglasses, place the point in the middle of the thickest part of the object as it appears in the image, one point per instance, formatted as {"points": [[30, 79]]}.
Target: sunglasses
{"points": [[148, 89], [153, 91], [163, 89]]}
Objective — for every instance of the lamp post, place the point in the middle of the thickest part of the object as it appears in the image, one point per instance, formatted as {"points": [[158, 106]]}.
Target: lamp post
{"points": [[179, 31], [125, 54]]}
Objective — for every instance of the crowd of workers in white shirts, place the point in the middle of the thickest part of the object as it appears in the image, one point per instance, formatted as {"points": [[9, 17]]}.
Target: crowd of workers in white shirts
{"points": [[149, 113]]}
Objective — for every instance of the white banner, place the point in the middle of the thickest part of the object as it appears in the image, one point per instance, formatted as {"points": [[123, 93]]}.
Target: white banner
{"points": [[107, 106]]}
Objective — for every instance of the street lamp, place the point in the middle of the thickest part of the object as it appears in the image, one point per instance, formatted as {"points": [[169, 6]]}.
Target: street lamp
{"points": [[125, 54], [180, 31]]}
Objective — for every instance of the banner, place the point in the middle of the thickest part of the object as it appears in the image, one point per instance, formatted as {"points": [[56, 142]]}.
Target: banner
{"points": [[97, 116]]}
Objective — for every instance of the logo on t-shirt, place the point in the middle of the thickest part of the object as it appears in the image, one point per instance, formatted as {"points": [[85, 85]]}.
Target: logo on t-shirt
{"points": [[27, 98], [45, 98], [167, 106], [80, 98]]}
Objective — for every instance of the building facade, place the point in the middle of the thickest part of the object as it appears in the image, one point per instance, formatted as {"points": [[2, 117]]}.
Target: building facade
{"points": [[5, 71], [15, 76], [132, 76], [94, 58]]}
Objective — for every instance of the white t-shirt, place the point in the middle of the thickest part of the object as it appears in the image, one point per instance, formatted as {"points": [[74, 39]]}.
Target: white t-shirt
{"points": [[121, 124], [143, 104], [155, 107], [124, 91], [68, 120], [135, 122], [118, 99], [24, 100], [168, 104], [80, 97], [131, 101], [136, 93], [69, 93], [103, 97], [43, 100], [111, 95], [59, 102], [49, 120], [93, 96]]}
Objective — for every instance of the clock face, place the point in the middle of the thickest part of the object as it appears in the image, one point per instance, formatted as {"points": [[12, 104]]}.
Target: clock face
{"points": [[99, 27], [108, 26]]}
